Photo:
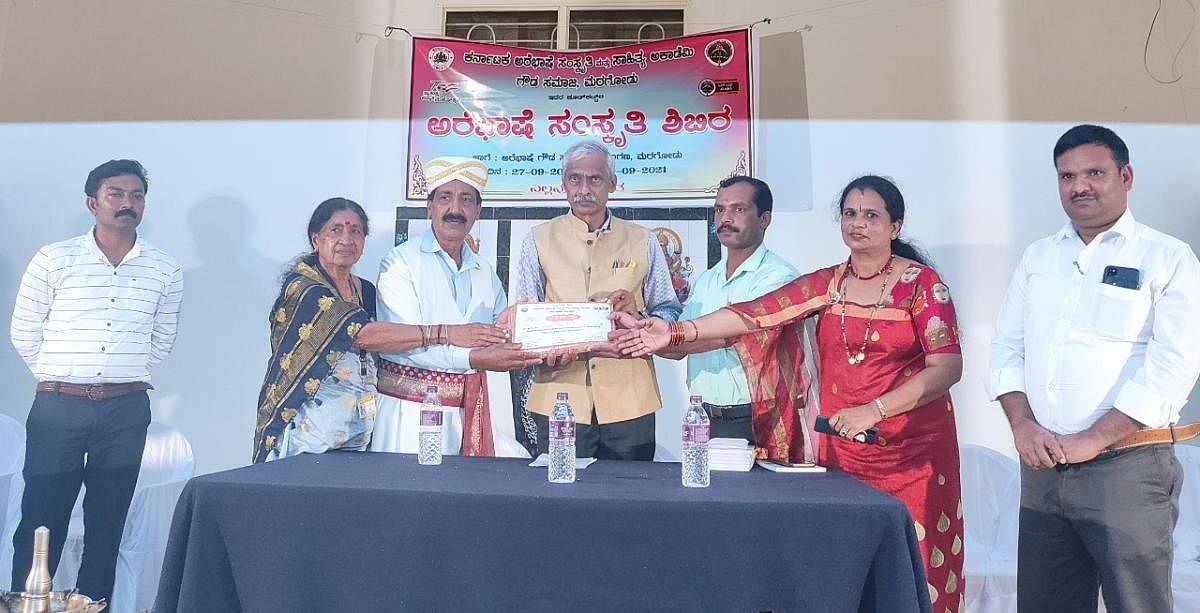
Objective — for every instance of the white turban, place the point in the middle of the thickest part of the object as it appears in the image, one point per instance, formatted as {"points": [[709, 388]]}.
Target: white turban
{"points": [[440, 171]]}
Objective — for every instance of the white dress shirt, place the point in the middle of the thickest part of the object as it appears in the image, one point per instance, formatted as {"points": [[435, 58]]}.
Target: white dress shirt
{"points": [[79, 319], [1078, 347], [419, 284]]}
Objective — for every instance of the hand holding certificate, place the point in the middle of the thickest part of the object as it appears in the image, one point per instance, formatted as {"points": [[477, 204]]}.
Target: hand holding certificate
{"points": [[545, 325]]}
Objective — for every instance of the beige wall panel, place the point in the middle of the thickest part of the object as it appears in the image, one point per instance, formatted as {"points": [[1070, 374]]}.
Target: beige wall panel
{"points": [[155, 60], [781, 82]]}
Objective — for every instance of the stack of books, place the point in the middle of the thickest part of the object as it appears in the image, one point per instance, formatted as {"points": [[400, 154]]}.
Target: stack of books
{"points": [[733, 454]]}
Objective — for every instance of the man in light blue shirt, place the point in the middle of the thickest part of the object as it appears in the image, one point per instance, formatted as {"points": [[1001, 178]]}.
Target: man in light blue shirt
{"points": [[742, 212]]}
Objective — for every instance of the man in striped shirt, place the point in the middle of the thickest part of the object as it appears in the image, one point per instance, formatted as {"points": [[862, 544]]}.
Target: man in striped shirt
{"points": [[93, 314]]}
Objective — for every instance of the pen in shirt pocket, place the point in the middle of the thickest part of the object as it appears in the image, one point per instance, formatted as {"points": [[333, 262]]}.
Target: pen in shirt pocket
{"points": [[618, 264]]}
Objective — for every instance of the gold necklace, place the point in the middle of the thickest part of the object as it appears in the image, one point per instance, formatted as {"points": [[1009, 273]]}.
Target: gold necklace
{"points": [[354, 295], [858, 358]]}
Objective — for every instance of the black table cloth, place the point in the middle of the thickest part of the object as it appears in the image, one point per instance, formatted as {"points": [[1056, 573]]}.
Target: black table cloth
{"points": [[377, 532]]}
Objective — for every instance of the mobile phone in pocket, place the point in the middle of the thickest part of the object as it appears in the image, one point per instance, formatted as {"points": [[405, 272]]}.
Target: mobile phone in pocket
{"points": [[1122, 276]]}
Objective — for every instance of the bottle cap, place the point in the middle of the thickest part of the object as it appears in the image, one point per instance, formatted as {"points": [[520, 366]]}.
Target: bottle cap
{"points": [[562, 396], [697, 399], [432, 389]]}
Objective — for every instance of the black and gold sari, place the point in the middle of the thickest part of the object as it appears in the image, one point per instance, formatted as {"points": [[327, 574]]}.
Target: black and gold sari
{"points": [[311, 327]]}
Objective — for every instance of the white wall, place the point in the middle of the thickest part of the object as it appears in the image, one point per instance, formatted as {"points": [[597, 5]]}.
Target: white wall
{"points": [[269, 107], [230, 200]]}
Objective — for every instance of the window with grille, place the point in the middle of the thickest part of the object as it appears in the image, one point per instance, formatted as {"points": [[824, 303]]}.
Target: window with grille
{"points": [[586, 29]]}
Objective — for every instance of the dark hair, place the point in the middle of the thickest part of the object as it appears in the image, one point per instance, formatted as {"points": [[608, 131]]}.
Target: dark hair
{"points": [[114, 168], [326, 209], [893, 202], [478, 195], [1088, 134], [763, 200]]}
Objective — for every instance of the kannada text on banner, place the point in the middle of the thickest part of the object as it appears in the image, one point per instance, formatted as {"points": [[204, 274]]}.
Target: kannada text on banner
{"points": [[674, 112]]}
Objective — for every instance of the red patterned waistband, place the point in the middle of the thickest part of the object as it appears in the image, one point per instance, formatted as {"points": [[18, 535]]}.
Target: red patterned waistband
{"points": [[409, 383]]}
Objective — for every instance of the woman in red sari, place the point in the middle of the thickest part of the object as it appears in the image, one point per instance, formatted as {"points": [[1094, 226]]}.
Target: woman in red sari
{"points": [[887, 344]]}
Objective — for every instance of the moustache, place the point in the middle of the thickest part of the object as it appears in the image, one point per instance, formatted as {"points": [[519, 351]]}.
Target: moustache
{"points": [[126, 213], [583, 198], [452, 217], [1083, 196], [726, 227]]}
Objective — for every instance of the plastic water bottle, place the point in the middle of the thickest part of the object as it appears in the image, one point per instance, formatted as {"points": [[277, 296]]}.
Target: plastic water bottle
{"points": [[429, 441], [695, 444], [562, 441]]}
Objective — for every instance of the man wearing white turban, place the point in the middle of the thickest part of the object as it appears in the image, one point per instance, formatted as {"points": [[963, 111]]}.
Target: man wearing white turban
{"points": [[433, 281]]}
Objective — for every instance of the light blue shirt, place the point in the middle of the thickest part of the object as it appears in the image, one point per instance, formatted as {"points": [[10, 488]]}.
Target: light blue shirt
{"points": [[718, 375]]}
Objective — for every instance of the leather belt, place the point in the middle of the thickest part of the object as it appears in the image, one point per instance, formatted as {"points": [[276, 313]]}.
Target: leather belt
{"points": [[735, 410], [1156, 436], [94, 391]]}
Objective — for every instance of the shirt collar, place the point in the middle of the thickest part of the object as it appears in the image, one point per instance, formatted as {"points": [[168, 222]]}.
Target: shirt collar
{"points": [[89, 240], [750, 265], [581, 225], [1126, 226], [429, 244]]}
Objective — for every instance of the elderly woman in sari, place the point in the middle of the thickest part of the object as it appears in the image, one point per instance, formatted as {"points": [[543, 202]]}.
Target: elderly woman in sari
{"points": [[888, 352], [319, 390]]}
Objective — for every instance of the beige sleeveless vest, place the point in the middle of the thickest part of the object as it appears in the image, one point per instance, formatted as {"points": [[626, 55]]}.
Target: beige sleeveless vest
{"points": [[583, 266]]}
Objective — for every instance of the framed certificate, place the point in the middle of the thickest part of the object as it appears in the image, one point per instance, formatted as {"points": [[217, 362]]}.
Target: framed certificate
{"points": [[545, 325]]}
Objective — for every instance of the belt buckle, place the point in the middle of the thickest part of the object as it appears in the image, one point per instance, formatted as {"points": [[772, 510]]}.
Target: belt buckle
{"points": [[94, 392], [716, 410]]}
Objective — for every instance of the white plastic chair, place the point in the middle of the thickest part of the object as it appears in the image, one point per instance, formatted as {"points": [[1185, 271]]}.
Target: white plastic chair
{"points": [[991, 495], [167, 464], [12, 458], [1185, 578]]}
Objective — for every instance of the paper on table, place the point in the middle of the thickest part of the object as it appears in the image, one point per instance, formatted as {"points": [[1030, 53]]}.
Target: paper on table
{"points": [[731, 454], [790, 468], [544, 460]]}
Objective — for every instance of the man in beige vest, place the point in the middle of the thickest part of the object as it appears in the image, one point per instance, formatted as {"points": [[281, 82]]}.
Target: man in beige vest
{"points": [[590, 255]]}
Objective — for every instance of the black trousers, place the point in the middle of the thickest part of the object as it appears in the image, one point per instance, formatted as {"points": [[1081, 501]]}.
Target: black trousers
{"points": [[70, 441], [632, 439], [1104, 523], [729, 421]]}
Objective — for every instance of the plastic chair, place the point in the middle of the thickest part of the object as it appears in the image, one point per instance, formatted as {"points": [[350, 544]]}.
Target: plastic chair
{"points": [[1185, 576], [12, 458], [991, 494], [167, 464]]}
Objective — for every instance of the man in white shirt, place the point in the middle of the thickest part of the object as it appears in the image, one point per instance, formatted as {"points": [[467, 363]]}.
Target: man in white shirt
{"points": [[1096, 349], [94, 313], [431, 281]]}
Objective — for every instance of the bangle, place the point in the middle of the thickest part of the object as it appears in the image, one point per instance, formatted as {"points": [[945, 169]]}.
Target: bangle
{"points": [[879, 407], [676, 332], [695, 330]]}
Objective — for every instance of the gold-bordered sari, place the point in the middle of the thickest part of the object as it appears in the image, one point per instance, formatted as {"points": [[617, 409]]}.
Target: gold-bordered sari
{"points": [[311, 327]]}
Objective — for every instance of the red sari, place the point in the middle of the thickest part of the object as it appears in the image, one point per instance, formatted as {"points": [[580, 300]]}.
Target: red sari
{"points": [[917, 458]]}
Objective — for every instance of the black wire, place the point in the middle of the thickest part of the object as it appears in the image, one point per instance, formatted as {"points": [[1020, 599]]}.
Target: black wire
{"points": [[1174, 60]]}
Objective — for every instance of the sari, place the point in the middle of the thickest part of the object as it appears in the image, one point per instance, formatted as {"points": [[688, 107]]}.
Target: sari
{"points": [[916, 458], [312, 329]]}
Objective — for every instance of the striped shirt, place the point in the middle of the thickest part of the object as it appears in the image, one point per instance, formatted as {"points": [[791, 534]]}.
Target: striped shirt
{"points": [[79, 319]]}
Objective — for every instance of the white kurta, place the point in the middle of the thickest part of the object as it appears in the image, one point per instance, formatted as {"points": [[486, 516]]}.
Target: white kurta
{"points": [[419, 285]]}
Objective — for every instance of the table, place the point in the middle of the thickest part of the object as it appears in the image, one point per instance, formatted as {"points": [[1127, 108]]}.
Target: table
{"points": [[377, 532]]}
